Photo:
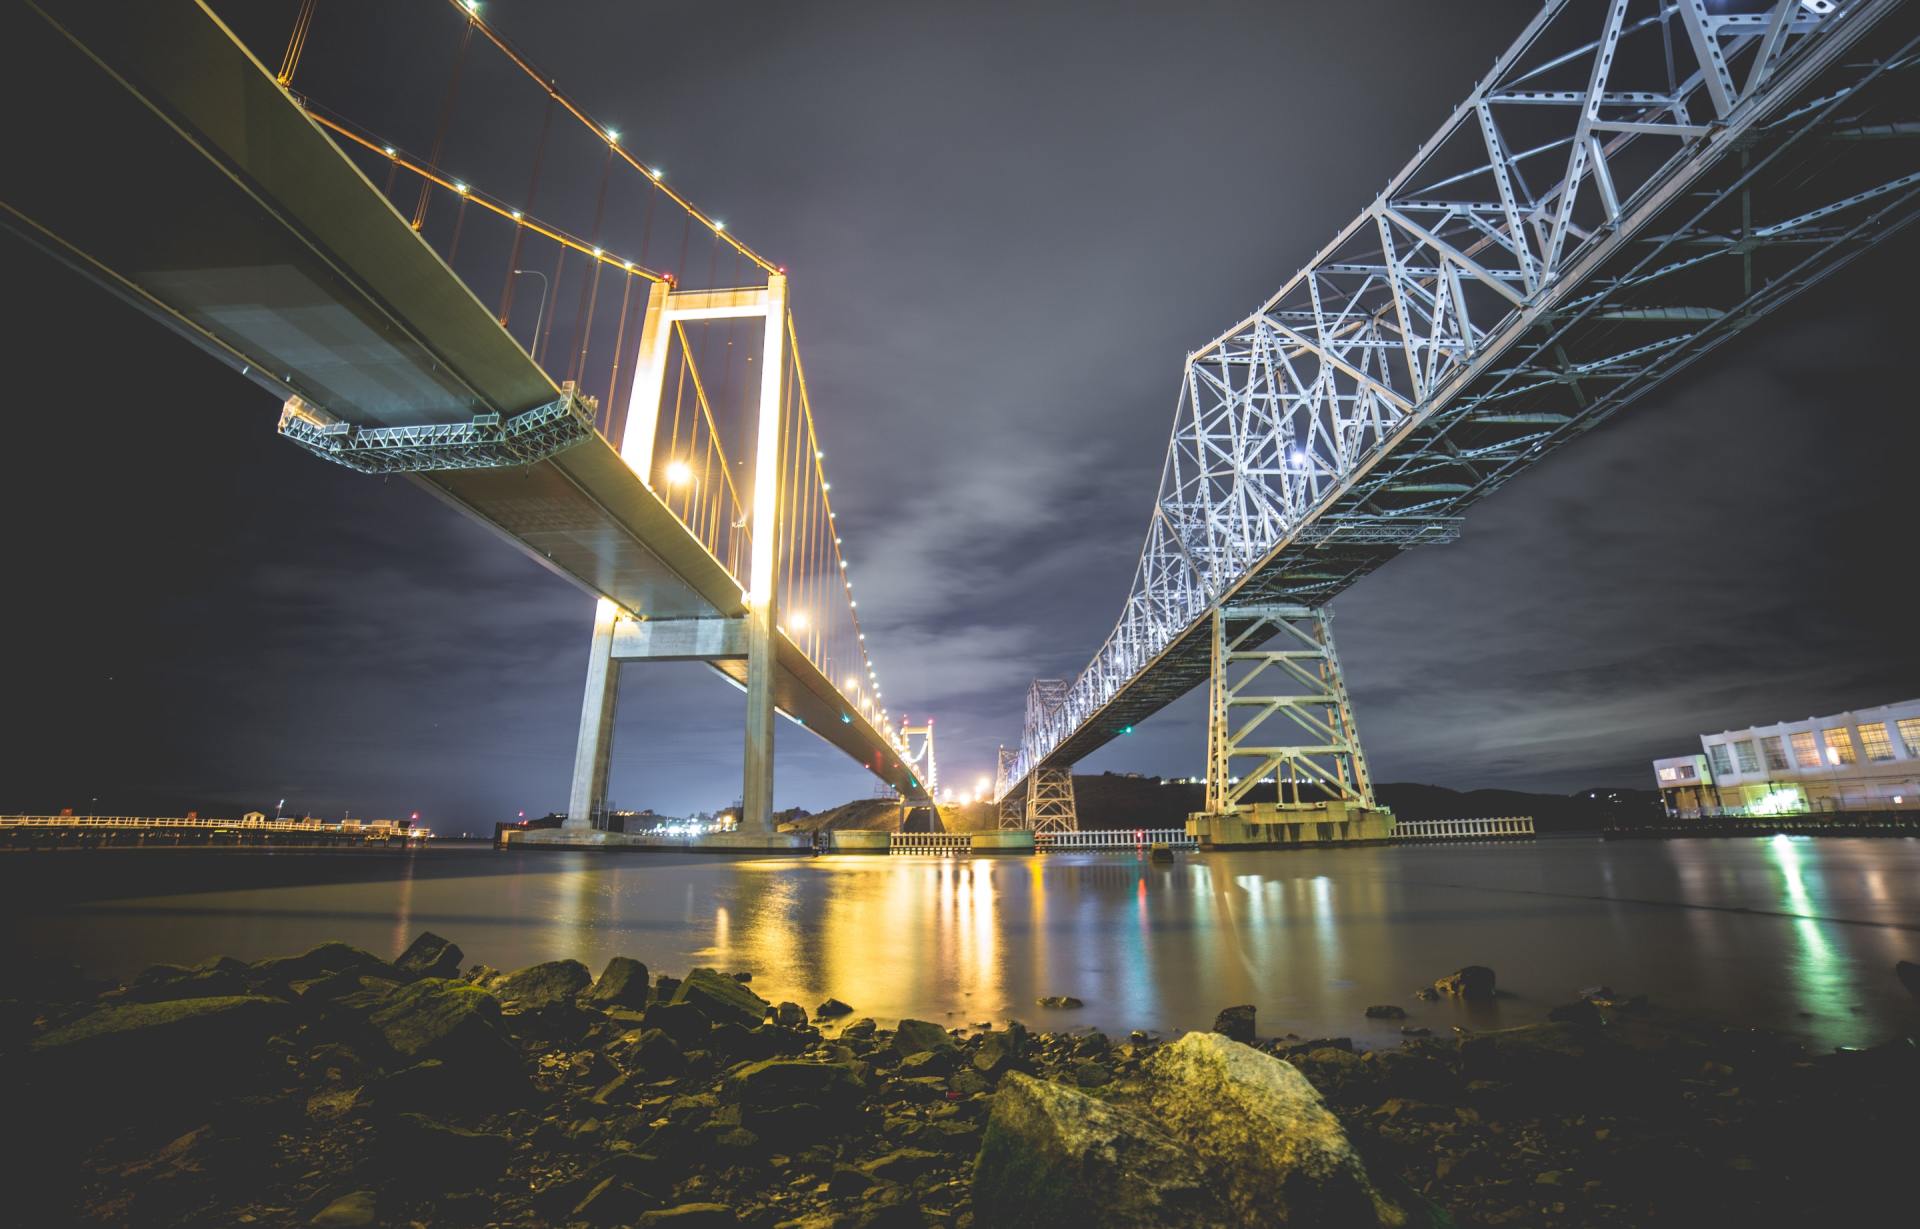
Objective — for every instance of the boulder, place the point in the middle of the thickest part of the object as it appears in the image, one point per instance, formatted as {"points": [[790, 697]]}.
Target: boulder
{"points": [[429, 956], [431, 1156], [689, 1216], [552, 983], [1386, 1011], [683, 1022], [1273, 1151], [649, 1052], [918, 1036], [203, 1045], [1053, 1156], [1909, 974], [720, 998], [779, 1083], [350, 1211], [1235, 1022], [623, 983], [221, 977], [452, 1021], [1581, 1012], [1475, 981], [863, 1027], [832, 1009], [790, 1015], [1060, 1001], [318, 962], [998, 1052]]}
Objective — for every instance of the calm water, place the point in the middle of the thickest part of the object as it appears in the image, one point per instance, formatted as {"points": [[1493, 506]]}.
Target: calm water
{"points": [[1794, 934]]}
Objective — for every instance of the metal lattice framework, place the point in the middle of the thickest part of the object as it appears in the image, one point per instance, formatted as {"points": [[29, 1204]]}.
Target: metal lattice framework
{"points": [[1634, 182], [487, 442], [1298, 688]]}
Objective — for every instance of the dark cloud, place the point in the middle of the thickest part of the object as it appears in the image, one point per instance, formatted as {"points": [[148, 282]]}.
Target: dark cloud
{"points": [[1007, 224]]}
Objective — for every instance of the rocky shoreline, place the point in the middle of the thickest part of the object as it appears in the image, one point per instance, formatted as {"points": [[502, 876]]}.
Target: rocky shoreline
{"points": [[338, 1088]]}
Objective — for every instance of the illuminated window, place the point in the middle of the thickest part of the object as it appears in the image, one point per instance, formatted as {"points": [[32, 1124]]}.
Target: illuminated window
{"points": [[1749, 761], [1717, 752], [1910, 735], [1669, 774], [1776, 755], [1805, 753], [1839, 747], [1873, 738]]}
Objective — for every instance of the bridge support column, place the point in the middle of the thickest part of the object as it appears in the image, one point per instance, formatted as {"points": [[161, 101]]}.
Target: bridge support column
{"points": [[1050, 802], [1312, 756], [756, 792], [593, 753]]}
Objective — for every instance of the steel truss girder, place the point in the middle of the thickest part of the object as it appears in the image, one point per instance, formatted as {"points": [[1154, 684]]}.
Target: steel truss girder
{"points": [[486, 442], [1452, 334], [1315, 744]]}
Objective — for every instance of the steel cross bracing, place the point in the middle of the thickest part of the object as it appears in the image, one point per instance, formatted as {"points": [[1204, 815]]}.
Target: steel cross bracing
{"points": [[484, 443], [1634, 182]]}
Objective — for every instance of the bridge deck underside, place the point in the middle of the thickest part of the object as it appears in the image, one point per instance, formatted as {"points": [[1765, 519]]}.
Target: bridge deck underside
{"points": [[228, 215], [1692, 274]]}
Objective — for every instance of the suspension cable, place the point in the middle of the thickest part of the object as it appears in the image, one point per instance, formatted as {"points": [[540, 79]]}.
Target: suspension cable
{"points": [[296, 43]]}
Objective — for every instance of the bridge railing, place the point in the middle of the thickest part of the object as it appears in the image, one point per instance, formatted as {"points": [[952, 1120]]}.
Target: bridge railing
{"points": [[65, 822], [937, 844], [1113, 839], [1463, 829]]}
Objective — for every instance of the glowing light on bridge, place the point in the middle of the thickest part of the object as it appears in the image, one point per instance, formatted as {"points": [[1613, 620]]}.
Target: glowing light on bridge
{"points": [[679, 473]]}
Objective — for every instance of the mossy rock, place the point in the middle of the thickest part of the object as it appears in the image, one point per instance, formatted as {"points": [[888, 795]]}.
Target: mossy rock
{"points": [[452, 1021], [720, 998]]}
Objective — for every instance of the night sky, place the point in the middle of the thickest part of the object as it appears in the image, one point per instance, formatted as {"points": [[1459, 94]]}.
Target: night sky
{"points": [[1006, 225]]}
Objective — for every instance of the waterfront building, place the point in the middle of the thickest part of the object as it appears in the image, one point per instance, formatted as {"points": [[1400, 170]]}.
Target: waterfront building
{"points": [[1866, 760]]}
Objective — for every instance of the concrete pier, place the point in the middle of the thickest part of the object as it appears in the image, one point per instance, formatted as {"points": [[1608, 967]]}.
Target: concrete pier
{"points": [[1267, 825]]}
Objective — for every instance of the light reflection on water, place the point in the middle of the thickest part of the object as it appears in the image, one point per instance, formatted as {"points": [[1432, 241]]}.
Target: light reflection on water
{"points": [[1785, 933]]}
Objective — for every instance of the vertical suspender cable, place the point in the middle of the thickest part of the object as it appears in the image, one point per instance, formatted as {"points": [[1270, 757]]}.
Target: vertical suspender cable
{"points": [[520, 231], [589, 293], [446, 117], [619, 340]]}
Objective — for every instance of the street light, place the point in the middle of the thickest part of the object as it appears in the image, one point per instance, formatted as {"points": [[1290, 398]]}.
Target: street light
{"points": [[542, 313]]}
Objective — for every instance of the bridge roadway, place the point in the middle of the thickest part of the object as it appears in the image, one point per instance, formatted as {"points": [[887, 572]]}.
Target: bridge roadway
{"points": [[175, 171], [1822, 161]]}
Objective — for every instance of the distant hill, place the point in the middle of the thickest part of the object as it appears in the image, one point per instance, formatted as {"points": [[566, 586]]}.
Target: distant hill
{"points": [[1112, 800]]}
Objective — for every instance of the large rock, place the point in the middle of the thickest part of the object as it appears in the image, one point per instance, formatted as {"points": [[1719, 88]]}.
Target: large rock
{"points": [[318, 962], [1235, 1022], [452, 1021], [431, 1156], [918, 1036], [1054, 1156], [429, 956], [552, 983], [221, 977], [623, 983], [1475, 981], [202, 1043], [720, 998], [1272, 1149], [788, 1102]]}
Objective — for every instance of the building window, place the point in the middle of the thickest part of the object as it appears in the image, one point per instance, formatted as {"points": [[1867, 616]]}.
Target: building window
{"points": [[1717, 752], [1776, 755], [1743, 750], [1910, 735], [1805, 753], [1873, 739], [1839, 747], [1669, 774]]}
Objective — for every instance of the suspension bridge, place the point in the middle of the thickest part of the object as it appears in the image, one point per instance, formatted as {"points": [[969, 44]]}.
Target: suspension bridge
{"points": [[1633, 182], [500, 303]]}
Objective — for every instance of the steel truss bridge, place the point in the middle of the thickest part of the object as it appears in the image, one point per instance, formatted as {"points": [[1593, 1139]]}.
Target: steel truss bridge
{"points": [[642, 428], [1634, 182]]}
